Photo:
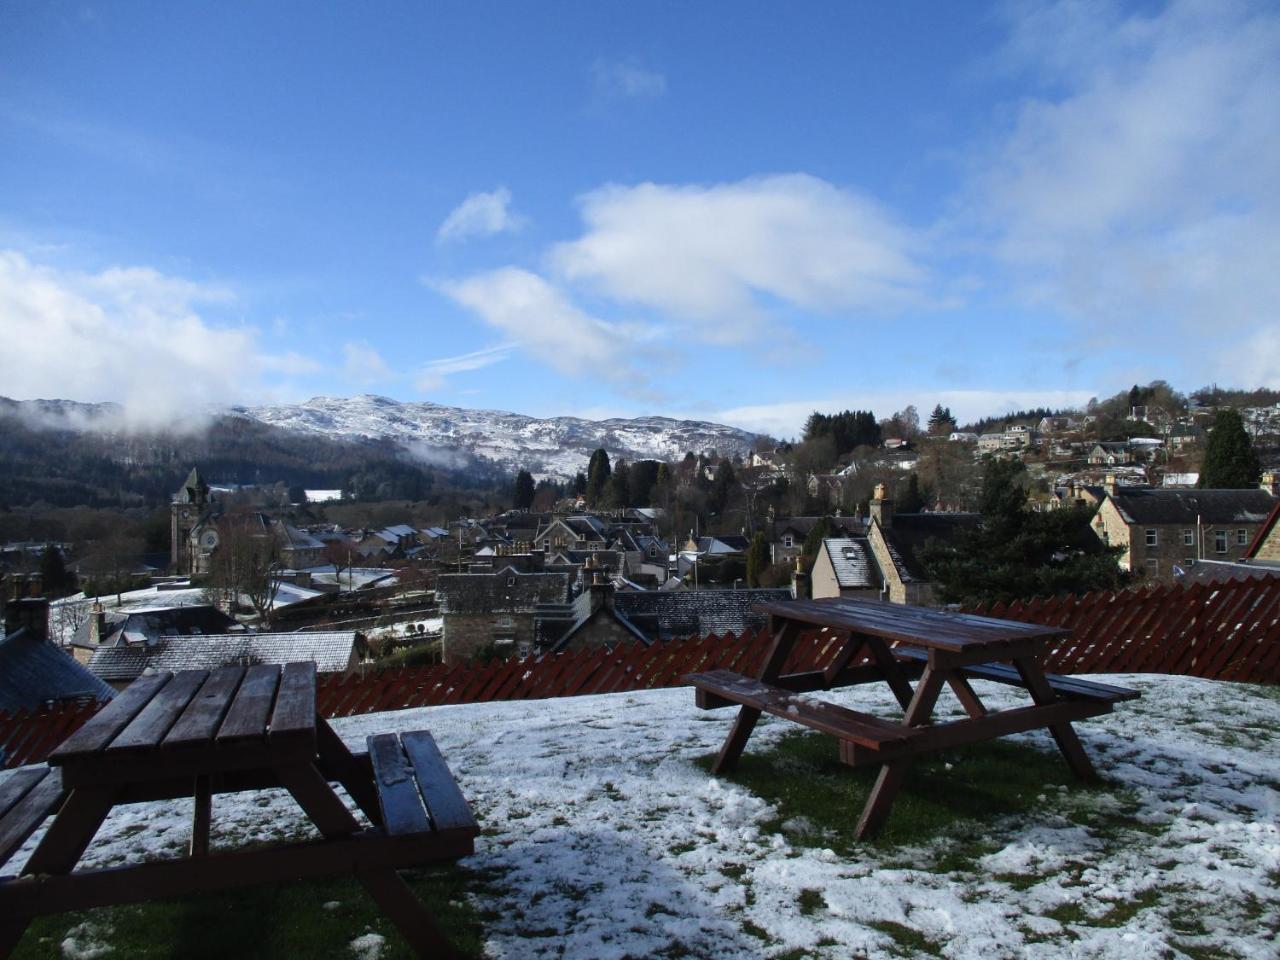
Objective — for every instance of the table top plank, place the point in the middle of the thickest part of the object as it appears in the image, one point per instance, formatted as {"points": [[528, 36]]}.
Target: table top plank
{"points": [[202, 717], [402, 809], [103, 726], [149, 727], [294, 716], [251, 708], [17, 784], [939, 629]]}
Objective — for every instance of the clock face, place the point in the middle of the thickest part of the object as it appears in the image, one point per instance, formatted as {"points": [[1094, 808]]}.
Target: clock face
{"points": [[209, 539]]}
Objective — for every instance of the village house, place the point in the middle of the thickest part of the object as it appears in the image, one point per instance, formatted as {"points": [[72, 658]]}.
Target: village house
{"points": [[788, 534], [495, 611], [1110, 453], [33, 671], [1161, 528], [845, 567], [895, 540]]}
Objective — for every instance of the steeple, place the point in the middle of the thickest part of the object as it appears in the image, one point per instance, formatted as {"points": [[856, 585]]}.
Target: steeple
{"points": [[194, 490]]}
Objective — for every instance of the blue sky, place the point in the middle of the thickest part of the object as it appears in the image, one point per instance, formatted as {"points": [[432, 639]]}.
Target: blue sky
{"points": [[739, 211]]}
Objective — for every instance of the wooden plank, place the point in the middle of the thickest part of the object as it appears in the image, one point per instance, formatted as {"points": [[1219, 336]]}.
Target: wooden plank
{"points": [[18, 783], [247, 717], [1001, 673], [294, 716], [200, 721], [932, 628], [317, 799], [149, 727], [406, 911], [444, 801], [102, 728], [278, 863], [841, 722], [340, 764], [1068, 743], [41, 797], [72, 830], [402, 810], [201, 814]]}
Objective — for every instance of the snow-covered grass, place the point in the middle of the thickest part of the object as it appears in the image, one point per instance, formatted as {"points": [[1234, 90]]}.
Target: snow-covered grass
{"points": [[604, 836]]}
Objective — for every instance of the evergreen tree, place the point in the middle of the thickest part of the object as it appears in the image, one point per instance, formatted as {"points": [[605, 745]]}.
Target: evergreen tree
{"points": [[757, 559], [1016, 553], [579, 486], [1230, 462], [522, 499], [598, 472], [941, 421], [618, 490], [721, 488], [912, 501], [55, 579]]}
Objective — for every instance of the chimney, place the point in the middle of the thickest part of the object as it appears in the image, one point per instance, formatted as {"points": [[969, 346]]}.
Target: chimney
{"points": [[799, 581], [1271, 483], [1110, 485], [882, 508], [97, 623], [30, 614], [601, 592]]}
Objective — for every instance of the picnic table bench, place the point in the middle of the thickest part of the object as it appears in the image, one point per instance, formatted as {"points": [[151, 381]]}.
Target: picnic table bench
{"points": [[198, 733], [902, 644]]}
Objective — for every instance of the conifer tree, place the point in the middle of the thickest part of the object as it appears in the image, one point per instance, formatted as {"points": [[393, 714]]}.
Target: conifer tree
{"points": [[523, 496], [598, 472], [1230, 462], [757, 559]]}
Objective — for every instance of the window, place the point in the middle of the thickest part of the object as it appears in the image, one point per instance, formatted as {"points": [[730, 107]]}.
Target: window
{"points": [[1151, 537], [1220, 541], [788, 541], [1188, 538], [1152, 567], [1242, 538], [511, 581]]}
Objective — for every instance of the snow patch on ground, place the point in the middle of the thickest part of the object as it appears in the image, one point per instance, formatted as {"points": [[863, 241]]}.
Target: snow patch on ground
{"points": [[604, 838]]}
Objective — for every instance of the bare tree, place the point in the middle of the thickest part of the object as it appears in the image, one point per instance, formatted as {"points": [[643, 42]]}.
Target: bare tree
{"points": [[338, 553], [245, 563], [112, 559]]}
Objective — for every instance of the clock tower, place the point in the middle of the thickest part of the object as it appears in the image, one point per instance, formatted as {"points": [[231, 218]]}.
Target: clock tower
{"points": [[189, 505]]}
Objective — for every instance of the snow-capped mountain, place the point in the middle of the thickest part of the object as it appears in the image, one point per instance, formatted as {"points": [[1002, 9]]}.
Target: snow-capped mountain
{"points": [[449, 436]]}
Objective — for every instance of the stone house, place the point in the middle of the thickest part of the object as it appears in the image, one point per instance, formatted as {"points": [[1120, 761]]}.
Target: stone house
{"points": [[583, 532], [845, 567], [1160, 528], [895, 540], [495, 610], [1110, 453], [787, 534]]}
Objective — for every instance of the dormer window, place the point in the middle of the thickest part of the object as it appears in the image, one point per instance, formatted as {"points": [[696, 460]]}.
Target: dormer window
{"points": [[511, 581], [788, 541]]}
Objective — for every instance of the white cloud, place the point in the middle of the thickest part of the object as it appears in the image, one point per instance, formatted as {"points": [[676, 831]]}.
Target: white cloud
{"points": [[627, 79], [480, 215], [128, 334], [364, 365], [1140, 187], [714, 254], [433, 374], [787, 419], [541, 319]]}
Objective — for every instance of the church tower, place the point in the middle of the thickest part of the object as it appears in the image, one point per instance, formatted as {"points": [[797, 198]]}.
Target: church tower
{"points": [[189, 503]]}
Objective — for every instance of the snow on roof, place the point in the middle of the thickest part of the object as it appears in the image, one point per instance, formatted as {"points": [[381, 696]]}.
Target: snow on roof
{"points": [[851, 561], [608, 838]]}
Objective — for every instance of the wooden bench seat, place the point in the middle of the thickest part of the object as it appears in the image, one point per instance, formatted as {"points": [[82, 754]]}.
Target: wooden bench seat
{"points": [[1071, 687], [717, 687], [416, 792], [27, 796]]}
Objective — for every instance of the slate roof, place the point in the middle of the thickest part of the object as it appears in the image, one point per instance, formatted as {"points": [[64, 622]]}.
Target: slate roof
{"points": [[332, 653], [199, 619], [490, 593], [1155, 506], [911, 531], [663, 616], [802, 525], [33, 671], [852, 561]]}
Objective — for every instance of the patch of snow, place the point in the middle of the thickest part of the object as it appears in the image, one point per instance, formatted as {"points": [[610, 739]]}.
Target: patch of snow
{"points": [[369, 946], [604, 837]]}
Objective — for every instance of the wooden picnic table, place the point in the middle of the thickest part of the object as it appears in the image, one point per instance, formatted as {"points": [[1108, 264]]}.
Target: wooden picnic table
{"points": [[901, 644], [198, 733]]}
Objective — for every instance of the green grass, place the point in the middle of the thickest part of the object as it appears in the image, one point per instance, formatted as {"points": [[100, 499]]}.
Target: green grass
{"points": [[267, 921], [803, 777]]}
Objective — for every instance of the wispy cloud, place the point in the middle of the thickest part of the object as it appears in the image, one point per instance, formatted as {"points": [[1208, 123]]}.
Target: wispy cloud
{"points": [[540, 318], [128, 333], [482, 214], [1138, 187], [715, 254], [434, 374], [627, 79], [364, 365]]}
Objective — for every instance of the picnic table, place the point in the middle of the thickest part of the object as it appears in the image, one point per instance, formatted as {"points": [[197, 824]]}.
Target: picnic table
{"points": [[896, 645], [198, 733]]}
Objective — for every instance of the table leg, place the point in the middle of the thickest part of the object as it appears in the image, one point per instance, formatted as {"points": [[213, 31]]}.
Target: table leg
{"points": [[72, 830], [852, 646], [357, 780], [967, 697], [892, 671], [201, 812], [318, 800], [783, 640], [891, 775], [1063, 734], [407, 912]]}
